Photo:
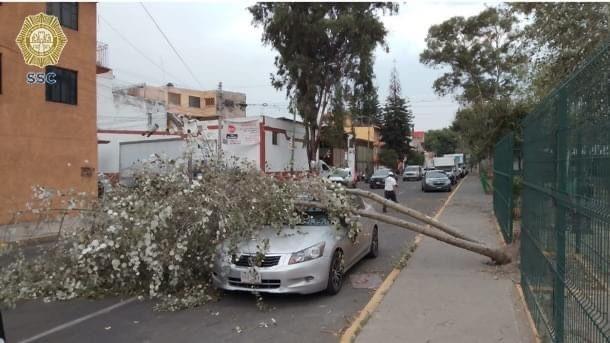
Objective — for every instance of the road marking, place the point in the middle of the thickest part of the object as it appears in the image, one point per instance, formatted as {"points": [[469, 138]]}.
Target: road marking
{"points": [[352, 331], [77, 321]]}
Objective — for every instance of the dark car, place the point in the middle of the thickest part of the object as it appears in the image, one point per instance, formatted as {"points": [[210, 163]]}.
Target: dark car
{"points": [[436, 180], [378, 178]]}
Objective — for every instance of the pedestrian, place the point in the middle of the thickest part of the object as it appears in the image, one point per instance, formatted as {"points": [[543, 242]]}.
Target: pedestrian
{"points": [[391, 186]]}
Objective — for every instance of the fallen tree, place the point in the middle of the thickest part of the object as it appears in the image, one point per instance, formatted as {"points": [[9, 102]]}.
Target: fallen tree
{"points": [[160, 236], [498, 256], [412, 213]]}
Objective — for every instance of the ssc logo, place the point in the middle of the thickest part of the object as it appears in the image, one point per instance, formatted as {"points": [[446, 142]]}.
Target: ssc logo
{"points": [[41, 40]]}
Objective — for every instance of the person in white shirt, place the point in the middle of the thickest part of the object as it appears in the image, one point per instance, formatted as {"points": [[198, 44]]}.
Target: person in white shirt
{"points": [[390, 189]]}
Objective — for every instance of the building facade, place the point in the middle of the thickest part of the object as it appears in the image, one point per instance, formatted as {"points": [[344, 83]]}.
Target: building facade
{"points": [[417, 140], [47, 132], [202, 105]]}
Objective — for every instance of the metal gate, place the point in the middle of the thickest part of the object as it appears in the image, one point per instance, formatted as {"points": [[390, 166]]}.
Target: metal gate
{"points": [[503, 185], [565, 247]]}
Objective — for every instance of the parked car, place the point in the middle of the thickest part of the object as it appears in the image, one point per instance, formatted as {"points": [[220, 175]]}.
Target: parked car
{"points": [[436, 180], [308, 258], [378, 178], [413, 173], [343, 176], [451, 173]]}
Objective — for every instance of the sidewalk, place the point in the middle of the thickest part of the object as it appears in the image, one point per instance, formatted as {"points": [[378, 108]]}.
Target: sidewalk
{"points": [[446, 294]]}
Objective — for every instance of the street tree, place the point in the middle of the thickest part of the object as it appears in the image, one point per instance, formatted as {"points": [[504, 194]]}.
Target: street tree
{"points": [[443, 141], [559, 36], [481, 53], [319, 45], [333, 132], [397, 119], [364, 100]]}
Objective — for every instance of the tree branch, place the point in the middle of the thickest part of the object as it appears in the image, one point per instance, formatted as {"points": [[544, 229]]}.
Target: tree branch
{"points": [[412, 213]]}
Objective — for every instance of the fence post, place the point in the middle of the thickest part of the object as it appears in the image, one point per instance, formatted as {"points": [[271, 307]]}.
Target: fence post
{"points": [[560, 218]]}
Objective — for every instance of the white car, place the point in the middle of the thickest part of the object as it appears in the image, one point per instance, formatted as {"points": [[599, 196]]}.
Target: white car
{"points": [[309, 258], [343, 176]]}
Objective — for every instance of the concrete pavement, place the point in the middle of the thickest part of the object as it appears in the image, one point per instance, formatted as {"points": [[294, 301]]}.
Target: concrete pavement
{"points": [[446, 294]]}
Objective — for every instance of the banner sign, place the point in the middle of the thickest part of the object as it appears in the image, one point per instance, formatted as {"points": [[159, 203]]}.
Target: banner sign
{"points": [[241, 132]]}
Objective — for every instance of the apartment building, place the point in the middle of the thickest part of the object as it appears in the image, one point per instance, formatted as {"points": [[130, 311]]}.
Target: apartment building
{"points": [[196, 104], [47, 131]]}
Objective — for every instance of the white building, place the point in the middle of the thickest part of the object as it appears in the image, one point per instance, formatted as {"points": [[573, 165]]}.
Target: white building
{"points": [[262, 140], [130, 129], [116, 110]]}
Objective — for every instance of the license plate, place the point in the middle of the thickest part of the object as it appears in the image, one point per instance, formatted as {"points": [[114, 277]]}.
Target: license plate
{"points": [[251, 276]]}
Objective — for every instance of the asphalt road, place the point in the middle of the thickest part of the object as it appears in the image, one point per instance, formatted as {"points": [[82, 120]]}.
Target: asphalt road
{"points": [[234, 318]]}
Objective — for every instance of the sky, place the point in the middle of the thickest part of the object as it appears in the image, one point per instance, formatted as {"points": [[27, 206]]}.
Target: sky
{"points": [[219, 44]]}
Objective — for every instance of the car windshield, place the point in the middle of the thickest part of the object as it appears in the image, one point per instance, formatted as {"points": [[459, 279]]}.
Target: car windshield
{"points": [[435, 175], [412, 168], [382, 173], [314, 217]]}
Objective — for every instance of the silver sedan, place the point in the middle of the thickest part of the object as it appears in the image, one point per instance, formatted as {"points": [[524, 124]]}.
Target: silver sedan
{"points": [[306, 259]]}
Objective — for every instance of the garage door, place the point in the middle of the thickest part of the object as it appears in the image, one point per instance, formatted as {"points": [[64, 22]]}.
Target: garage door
{"points": [[132, 153]]}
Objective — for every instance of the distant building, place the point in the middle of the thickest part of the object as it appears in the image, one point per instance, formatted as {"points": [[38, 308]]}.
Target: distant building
{"points": [[195, 104], [417, 140], [118, 110], [368, 144], [47, 131]]}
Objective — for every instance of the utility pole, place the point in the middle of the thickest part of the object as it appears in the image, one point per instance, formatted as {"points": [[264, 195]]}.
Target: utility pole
{"points": [[220, 110]]}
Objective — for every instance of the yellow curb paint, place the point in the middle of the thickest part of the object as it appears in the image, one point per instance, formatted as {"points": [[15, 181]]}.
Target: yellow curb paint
{"points": [[352, 331], [530, 320]]}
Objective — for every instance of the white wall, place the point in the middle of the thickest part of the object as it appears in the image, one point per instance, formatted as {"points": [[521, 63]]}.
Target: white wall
{"points": [[119, 111], [109, 154], [278, 156]]}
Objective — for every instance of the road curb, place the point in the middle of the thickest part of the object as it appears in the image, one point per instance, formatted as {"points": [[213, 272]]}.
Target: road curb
{"points": [[353, 330], [530, 320]]}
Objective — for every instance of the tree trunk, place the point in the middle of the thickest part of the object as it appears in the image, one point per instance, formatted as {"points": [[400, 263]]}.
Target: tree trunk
{"points": [[412, 213], [498, 256]]}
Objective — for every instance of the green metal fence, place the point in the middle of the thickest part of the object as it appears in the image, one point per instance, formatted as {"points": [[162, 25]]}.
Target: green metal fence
{"points": [[565, 247], [503, 185]]}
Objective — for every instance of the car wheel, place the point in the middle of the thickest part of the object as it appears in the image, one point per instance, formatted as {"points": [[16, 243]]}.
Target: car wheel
{"points": [[374, 250], [449, 189], [335, 273]]}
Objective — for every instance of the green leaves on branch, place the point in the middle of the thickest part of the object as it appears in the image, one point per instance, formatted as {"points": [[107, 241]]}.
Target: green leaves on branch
{"points": [[159, 237]]}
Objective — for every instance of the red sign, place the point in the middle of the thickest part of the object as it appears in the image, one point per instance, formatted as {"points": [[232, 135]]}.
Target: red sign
{"points": [[232, 128]]}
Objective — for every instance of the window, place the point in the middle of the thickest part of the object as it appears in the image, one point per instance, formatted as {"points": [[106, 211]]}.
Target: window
{"points": [[194, 101], [209, 101], [274, 138], [64, 89], [66, 12], [174, 98]]}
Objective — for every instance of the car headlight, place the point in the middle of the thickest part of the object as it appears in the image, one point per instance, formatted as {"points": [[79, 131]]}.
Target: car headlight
{"points": [[308, 254]]}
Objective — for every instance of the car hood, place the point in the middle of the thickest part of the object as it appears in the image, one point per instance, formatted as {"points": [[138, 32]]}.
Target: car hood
{"points": [[290, 240], [378, 177]]}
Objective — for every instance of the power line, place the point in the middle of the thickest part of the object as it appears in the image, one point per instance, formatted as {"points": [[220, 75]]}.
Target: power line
{"points": [[171, 45], [135, 47]]}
